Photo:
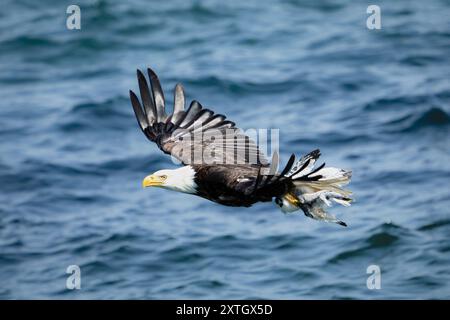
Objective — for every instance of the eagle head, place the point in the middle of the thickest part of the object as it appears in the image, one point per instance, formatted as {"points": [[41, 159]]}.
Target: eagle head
{"points": [[181, 180]]}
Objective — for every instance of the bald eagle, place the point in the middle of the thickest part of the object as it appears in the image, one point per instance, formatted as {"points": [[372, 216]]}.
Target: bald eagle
{"points": [[223, 165]]}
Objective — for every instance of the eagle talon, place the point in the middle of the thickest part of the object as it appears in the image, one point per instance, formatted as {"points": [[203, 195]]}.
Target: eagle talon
{"points": [[292, 199]]}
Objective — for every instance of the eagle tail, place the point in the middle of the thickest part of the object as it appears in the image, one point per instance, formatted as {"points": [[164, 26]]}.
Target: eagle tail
{"points": [[318, 188]]}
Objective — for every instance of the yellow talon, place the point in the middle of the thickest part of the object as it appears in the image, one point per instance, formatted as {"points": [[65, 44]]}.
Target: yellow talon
{"points": [[292, 199]]}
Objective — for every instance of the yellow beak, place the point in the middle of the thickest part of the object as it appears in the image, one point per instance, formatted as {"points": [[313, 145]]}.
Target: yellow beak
{"points": [[152, 181]]}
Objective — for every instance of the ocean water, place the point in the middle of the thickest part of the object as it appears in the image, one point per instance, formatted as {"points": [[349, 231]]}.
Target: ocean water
{"points": [[72, 156]]}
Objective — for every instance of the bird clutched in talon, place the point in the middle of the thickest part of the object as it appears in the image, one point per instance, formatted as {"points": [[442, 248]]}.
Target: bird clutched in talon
{"points": [[224, 165]]}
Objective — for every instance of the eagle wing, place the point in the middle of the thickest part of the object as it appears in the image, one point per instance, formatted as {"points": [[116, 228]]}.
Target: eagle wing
{"points": [[193, 136]]}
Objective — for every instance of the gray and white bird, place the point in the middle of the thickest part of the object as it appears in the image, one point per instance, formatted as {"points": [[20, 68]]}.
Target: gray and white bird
{"points": [[229, 177]]}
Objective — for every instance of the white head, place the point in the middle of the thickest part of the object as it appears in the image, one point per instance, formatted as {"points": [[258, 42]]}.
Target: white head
{"points": [[181, 179]]}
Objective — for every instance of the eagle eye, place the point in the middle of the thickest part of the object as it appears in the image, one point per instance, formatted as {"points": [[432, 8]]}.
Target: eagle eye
{"points": [[163, 177]]}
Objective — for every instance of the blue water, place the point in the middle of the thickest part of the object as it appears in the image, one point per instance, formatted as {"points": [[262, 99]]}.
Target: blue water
{"points": [[72, 156]]}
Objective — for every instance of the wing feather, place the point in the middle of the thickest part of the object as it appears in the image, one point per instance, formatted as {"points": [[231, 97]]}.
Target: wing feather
{"points": [[158, 96], [194, 108], [173, 133], [138, 111], [149, 107], [179, 103]]}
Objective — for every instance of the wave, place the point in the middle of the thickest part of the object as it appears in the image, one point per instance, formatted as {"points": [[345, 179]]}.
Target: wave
{"points": [[109, 114], [108, 108], [383, 237], [396, 102], [434, 117], [29, 42], [199, 11], [134, 163], [434, 225], [243, 87], [333, 138]]}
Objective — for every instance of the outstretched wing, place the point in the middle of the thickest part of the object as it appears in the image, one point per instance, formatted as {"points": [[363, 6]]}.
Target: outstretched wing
{"points": [[193, 136]]}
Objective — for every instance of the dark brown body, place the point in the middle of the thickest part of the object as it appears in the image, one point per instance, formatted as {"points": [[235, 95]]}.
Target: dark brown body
{"points": [[234, 185]]}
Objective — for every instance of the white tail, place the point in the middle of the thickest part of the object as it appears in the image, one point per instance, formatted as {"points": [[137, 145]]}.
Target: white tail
{"points": [[317, 189]]}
